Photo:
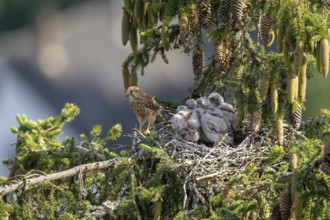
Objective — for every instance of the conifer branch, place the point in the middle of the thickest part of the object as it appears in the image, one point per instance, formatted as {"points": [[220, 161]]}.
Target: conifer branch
{"points": [[26, 183]]}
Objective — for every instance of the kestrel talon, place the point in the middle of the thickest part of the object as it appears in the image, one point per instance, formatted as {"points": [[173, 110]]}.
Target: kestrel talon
{"points": [[145, 106]]}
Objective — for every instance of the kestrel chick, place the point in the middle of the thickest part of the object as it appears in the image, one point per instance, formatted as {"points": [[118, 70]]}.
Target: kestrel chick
{"points": [[216, 99], [144, 105], [203, 102], [191, 104]]}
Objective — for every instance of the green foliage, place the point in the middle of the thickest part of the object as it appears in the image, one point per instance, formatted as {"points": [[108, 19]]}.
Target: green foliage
{"points": [[39, 151], [149, 185], [115, 132], [256, 189]]}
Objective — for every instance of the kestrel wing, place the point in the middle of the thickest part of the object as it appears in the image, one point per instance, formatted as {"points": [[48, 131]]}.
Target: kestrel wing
{"points": [[150, 101]]}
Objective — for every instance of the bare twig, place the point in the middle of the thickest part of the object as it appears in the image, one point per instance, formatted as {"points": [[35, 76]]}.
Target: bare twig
{"points": [[26, 183]]}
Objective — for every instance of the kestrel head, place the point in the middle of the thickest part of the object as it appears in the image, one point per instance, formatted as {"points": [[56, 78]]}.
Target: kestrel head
{"points": [[131, 91]]}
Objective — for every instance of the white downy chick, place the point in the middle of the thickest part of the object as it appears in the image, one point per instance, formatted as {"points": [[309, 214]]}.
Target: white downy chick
{"points": [[213, 127], [216, 99], [180, 120], [227, 110], [194, 120], [191, 104], [203, 102], [181, 108]]}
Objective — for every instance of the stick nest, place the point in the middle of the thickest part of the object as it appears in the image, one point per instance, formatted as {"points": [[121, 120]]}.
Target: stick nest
{"points": [[202, 165]]}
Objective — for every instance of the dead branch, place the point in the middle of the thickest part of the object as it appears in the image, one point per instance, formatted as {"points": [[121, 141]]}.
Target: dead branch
{"points": [[26, 183]]}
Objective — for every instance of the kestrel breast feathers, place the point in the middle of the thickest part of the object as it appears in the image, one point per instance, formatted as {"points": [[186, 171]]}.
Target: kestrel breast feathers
{"points": [[144, 105]]}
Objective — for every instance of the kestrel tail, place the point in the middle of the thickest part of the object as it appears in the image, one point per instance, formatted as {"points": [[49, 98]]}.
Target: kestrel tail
{"points": [[144, 105]]}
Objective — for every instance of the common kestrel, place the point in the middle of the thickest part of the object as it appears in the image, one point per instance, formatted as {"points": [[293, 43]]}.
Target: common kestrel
{"points": [[145, 106]]}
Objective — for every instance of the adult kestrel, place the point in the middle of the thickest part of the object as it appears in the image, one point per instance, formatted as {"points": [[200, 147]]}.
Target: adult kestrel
{"points": [[145, 106]]}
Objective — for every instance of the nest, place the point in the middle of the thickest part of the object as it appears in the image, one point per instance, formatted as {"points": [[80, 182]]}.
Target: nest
{"points": [[204, 167]]}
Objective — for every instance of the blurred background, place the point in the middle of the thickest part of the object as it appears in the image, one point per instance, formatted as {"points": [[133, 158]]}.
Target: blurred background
{"points": [[58, 51]]}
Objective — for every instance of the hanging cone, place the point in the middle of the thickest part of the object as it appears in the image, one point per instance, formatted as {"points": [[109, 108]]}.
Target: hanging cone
{"points": [[184, 27], [292, 88], [295, 117], [125, 72], [237, 10], [279, 131], [266, 29], [198, 61], [303, 79], [255, 122], [274, 97], [286, 203], [194, 20], [224, 11], [133, 39], [205, 13], [324, 57], [125, 27], [223, 55]]}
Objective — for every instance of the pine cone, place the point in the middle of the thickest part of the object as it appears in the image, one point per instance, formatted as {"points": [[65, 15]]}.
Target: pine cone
{"points": [[205, 12], [295, 117], [133, 81], [292, 88], [279, 131], [255, 121], [293, 161], [183, 23], [286, 203], [198, 61], [125, 27], [223, 55], [274, 97], [303, 79], [237, 10], [194, 20], [224, 10], [133, 39], [276, 214], [324, 57], [266, 29], [220, 51], [126, 76]]}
